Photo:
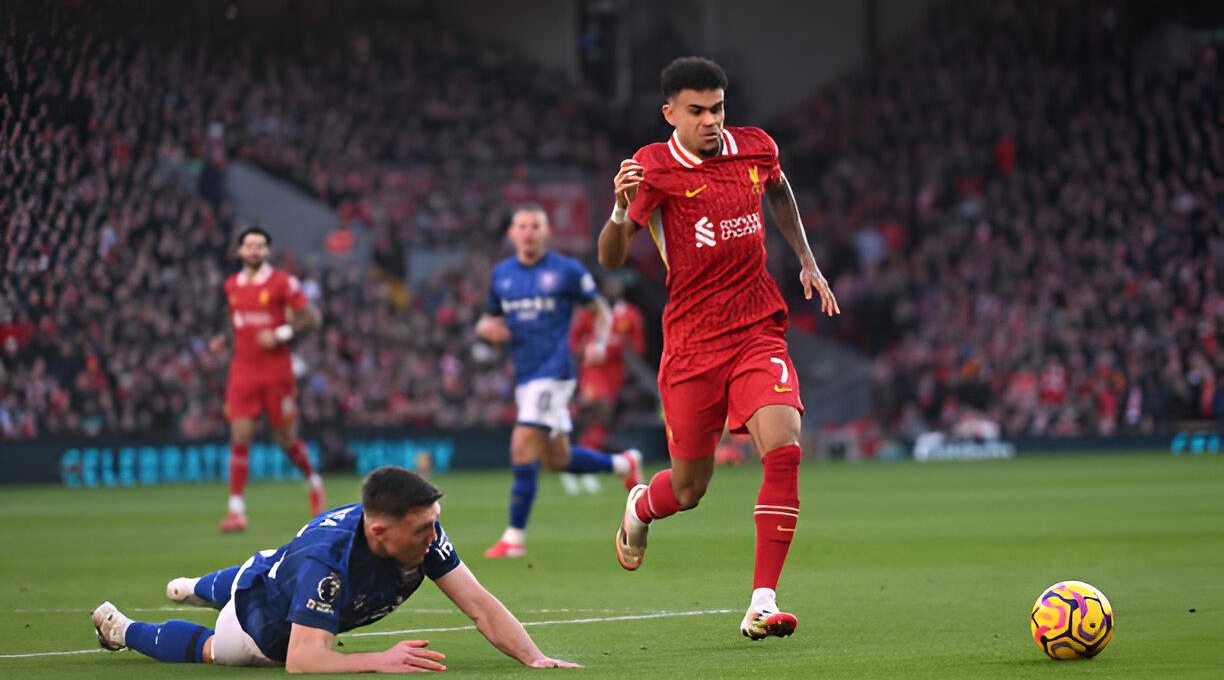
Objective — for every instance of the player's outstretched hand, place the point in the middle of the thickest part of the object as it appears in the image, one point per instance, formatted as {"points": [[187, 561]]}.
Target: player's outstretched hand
{"points": [[553, 663], [812, 278], [410, 656]]}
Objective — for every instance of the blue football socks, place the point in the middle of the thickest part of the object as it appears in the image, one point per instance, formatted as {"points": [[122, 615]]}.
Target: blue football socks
{"points": [[173, 641], [216, 587], [522, 493], [583, 459]]}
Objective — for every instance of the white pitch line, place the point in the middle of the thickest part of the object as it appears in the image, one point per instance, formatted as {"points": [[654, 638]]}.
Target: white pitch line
{"points": [[74, 610], [526, 624], [37, 654], [413, 631]]}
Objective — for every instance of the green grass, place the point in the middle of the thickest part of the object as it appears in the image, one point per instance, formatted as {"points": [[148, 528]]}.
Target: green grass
{"points": [[898, 570]]}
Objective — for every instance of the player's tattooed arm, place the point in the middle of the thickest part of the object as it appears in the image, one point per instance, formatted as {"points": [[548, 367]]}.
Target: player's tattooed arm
{"points": [[781, 202]]}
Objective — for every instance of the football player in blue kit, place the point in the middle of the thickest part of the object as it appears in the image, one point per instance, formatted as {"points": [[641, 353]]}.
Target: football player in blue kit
{"points": [[346, 568], [530, 306]]}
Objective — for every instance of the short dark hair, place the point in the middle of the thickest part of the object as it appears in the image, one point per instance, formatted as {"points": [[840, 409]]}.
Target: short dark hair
{"points": [[392, 491], [692, 73], [258, 231], [523, 207]]}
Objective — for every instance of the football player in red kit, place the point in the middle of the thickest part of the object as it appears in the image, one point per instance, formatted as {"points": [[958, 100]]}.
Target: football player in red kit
{"points": [[267, 309], [725, 358]]}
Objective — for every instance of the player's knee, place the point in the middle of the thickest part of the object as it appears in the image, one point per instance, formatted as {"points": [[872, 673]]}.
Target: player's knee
{"points": [[690, 495]]}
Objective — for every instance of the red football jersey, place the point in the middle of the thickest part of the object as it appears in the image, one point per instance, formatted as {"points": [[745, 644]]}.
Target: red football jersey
{"points": [[706, 220], [256, 304], [627, 332]]}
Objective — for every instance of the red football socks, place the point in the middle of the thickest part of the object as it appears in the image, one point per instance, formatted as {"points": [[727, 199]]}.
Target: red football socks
{"points": [[776, 514], [300, 457], [659, 501], [238, 468]]}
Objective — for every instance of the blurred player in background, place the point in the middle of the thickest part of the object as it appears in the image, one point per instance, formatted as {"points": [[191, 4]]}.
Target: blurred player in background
{"points": [[267, 309], [345, 569], [531, 302], [725, 357], [600, 382]]}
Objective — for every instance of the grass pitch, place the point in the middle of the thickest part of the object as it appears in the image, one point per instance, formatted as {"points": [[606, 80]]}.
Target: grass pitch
{"points": [[900, 570]]}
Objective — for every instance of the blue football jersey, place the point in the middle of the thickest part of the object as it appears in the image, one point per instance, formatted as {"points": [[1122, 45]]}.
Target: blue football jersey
{"points": [[538, 305], [326, 577]]}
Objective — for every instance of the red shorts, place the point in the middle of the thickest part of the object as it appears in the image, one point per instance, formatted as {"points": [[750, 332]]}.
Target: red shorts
{"points": [[702, 393], [246, 398], [596, 388]]}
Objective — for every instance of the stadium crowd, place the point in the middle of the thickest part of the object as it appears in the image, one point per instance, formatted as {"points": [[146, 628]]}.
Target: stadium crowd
{"points": [[1019, 221], [118, 234], [1026, 208]]}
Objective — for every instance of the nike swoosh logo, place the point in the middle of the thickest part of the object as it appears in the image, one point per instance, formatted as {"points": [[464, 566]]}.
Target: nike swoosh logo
{"points": [[781, 389], [782, 528], [691, 193]]}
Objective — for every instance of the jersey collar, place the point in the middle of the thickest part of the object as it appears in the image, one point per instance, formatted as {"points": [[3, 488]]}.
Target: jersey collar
{"points": [[691, 160], [260, 277]]}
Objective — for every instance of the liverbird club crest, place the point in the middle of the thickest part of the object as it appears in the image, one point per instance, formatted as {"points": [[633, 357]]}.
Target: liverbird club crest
{"points": [[755, 175]]}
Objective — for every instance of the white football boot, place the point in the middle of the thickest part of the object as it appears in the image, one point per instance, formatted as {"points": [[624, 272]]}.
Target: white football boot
{"points": [[112, 627], [182, 591]]}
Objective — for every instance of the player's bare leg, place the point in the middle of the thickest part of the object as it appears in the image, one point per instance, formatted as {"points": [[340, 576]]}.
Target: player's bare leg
{"points": [[775, 435], [286, 438], [242, 431]]}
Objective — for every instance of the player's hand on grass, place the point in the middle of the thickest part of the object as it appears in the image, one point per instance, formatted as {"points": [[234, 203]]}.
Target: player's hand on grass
{"points": [[410, 656], [553, 663]]}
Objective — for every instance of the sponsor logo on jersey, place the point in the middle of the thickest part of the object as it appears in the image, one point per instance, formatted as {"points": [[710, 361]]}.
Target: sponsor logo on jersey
{"points": [[689, 193], [256, 318], [529, 305], [704, 233], [744, 225]]}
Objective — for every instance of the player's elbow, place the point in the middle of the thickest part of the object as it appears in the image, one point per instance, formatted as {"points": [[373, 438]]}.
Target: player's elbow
{"points": [[611, 260], [295, 664]]}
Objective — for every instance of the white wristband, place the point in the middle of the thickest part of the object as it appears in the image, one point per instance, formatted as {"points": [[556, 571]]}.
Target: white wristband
{"points": [[283, 333], [619, 214]]}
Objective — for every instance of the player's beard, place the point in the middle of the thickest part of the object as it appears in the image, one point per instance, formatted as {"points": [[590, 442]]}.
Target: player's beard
{"points": [[253, 263], [714, 149]]}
